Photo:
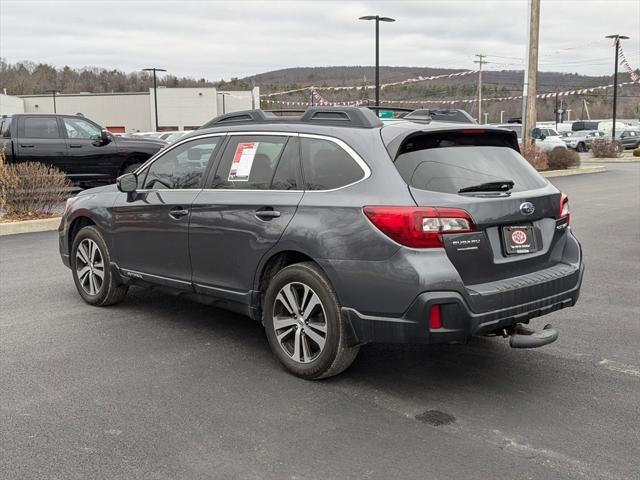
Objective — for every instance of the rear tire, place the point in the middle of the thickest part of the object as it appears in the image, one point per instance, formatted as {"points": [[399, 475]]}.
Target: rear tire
{"points": [[91, 269], [581, 147], [308, 334]]}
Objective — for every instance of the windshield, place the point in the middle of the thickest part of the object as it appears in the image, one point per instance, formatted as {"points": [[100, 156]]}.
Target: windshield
{"points": [[451, 169]]}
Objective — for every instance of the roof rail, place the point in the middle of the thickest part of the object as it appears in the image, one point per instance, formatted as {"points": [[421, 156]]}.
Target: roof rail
{"points": [[333, 116]]}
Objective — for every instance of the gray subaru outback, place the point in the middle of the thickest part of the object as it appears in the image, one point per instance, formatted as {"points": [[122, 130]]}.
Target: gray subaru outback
{"points": [[335, 230]]}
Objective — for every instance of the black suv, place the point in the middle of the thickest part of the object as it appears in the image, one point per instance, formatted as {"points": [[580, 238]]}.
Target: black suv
{"points": [[334, 230], [82, 149]]}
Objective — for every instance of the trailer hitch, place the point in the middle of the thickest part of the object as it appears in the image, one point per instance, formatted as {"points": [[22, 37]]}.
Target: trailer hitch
{"points": [[523, 337]]}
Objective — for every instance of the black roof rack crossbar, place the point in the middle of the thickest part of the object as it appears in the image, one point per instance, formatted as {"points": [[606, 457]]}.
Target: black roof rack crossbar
{"points": [[333, 116]]}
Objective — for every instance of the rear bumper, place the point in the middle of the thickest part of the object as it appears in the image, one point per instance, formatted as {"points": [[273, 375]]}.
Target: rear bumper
{"points": [[459, 320]]}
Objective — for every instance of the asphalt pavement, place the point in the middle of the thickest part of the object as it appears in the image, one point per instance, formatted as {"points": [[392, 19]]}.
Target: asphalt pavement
{"points": [[162, 388]]}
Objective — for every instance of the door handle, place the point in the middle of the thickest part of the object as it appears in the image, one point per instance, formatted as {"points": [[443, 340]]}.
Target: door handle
{"points": [[23, 145], [75, 145], [267, 214], [178, 213]]}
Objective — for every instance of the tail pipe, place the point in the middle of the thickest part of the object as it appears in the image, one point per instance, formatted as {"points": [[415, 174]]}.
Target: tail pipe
{"points": [[521, 336]]}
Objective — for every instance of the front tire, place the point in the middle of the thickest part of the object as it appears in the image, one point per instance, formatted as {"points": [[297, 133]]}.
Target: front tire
{"points": [[91, 269], [303, 322], [581, 147]]}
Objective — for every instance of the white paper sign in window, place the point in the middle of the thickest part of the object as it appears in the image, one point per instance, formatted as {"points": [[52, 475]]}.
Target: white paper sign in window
{"points": [[242, 162]]}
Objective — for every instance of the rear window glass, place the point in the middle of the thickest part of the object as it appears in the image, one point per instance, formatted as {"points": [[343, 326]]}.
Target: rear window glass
{"points": [[448, 163]]}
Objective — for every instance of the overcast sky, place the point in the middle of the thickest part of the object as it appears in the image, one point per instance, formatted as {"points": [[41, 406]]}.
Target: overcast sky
{"points": [[223, 39]]}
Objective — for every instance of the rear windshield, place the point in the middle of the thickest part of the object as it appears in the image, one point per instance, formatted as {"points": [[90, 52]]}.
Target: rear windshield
{"points": [[445, 165]]}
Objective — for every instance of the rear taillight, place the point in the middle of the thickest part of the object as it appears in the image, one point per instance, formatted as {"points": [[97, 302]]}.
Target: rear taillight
{"points": [[565, 213], [419, 227]]}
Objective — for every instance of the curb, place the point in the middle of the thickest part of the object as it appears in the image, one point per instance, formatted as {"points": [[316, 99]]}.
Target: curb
{"points": [[574, 171], [611, 160], [29, 226]]}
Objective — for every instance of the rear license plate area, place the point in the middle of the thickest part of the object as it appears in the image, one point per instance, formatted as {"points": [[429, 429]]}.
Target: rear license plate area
{"points": [[519, 239]]}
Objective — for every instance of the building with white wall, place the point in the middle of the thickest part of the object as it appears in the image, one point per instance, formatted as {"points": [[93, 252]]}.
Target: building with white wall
{"points": [[178, 108]]}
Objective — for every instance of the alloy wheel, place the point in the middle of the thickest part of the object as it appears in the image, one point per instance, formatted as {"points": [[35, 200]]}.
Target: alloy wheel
{"points": [[89, 266], [299, 322]]}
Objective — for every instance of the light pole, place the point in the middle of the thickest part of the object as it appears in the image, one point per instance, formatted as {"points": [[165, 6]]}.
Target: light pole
{"points": [[378, 19], [155, 88], [615, 80], [53, 94], [486, 118], [501, 115], [224, 94]]}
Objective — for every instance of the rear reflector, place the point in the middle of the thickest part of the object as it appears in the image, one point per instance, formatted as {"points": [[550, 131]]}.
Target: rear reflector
{"points": [[435, 321], [419, 227]]}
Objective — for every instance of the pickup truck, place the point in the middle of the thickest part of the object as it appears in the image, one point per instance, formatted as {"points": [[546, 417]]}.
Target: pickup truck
{"points": [[82, 149]]}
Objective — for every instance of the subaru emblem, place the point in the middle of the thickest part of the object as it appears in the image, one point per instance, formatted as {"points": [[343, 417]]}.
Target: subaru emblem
{"points": [[527, 208]]}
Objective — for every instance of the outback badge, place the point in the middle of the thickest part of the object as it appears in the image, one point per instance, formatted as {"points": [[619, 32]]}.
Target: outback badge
{"points": [[527, 208]]}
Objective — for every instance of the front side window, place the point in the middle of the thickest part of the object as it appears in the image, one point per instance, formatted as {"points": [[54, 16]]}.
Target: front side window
{"points": [[181, 167], [41, 127], [249, 162], [81, 129], [326, 165]]}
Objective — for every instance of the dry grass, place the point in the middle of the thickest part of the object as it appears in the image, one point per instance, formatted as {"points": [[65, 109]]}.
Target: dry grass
{"points": [[31, 190], [535, 155]]}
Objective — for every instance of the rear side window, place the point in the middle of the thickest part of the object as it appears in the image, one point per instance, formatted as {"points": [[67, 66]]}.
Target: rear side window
{"points": [[41, 127], [249, 162], [449, 162], [326, 165]]}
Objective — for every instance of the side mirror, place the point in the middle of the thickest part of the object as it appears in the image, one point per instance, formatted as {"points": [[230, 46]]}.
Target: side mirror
{"points": [[127, 183], [537, 134], [105, 137]]}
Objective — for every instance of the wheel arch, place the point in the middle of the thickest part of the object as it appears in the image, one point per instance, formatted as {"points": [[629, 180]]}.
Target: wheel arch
{"points": [[133, 158], [77, 224], [275, 262]]}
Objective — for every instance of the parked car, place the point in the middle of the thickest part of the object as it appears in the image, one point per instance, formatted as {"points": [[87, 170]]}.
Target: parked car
{"points": [[334, 230], [547, 143], [87, 153], [629, 138], [175, 136], [581, 140]]}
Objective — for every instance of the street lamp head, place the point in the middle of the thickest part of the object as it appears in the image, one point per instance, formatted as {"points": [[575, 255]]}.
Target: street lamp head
{"points": [[152, 69], [619, 37], [376, 17]]}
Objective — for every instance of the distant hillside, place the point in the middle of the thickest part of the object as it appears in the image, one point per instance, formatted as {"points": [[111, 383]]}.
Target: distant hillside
{"points": [[495, 84]]}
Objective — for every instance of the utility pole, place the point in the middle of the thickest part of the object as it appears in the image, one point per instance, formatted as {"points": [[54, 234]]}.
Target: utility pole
{"points": [[155, 89], [529, 92], [557, 110], [617, 39], [585, 104], [480, 62]]}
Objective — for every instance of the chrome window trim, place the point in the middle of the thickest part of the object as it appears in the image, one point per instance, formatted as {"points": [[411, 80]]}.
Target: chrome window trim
{"points": [[163, 152], [350, 151]]}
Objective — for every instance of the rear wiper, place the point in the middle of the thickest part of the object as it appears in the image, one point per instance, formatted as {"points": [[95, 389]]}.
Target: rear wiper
{"points": [[498, 186]]}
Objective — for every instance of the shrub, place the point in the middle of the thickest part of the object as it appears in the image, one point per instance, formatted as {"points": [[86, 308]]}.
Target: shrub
{"points": [[535, 156], [606, 148], [562, 158], [31, 190], [636, 152]]}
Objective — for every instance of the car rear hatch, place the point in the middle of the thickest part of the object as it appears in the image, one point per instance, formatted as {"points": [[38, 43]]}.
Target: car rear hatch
{"points": [[518, 233]]}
